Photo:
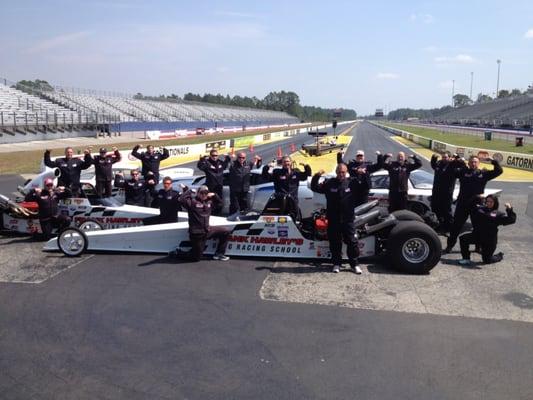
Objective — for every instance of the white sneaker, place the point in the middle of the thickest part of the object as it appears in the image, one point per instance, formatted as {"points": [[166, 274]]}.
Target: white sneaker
{"points": [[357, 270], [336, 269], [220, 257]]}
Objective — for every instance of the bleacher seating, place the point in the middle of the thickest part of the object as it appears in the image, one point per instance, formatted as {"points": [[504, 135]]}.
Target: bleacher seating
{"points": [[515, 111], [61, 106]]}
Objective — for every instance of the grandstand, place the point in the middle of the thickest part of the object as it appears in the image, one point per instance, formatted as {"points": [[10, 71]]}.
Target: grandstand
{"points": [[23, 112], [516, 112]]}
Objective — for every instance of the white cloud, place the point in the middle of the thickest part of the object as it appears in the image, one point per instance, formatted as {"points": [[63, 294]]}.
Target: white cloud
{"points": [[387, 75], [458, 59], [529, 34], [58, 41], [423, 18]]}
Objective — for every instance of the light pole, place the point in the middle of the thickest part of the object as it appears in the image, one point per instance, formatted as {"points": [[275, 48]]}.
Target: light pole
{"points": [[471, 85], [453, 92], [498, 79]]}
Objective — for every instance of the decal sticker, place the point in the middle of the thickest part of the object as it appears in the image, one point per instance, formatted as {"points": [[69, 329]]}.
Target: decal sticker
{"points": [[282, 220], [283, 232]]}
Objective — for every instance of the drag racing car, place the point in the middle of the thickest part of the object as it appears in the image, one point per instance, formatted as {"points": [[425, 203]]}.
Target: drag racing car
{"points": [[89, 213], [410, 245]]}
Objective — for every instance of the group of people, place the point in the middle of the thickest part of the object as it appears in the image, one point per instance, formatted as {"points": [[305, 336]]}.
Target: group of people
{"points": [[347, 190], [483, 212]]}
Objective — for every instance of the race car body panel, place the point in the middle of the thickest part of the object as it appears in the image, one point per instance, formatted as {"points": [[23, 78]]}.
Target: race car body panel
{"points": [[268, 236]]}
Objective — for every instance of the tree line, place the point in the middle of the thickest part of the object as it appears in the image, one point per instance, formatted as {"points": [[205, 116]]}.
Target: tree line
{"points": [[459, 100]]}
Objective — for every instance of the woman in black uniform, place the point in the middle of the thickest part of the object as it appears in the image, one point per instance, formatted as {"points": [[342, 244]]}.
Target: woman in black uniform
{"points": [[485, 220]]}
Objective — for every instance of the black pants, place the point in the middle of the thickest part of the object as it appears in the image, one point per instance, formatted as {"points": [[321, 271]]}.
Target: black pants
{"points": [[397, 201], [198, 241], [58, 222], [238, 201], [488, 246], [342, 232], [103, 188], [441, 205], [459, 219]]}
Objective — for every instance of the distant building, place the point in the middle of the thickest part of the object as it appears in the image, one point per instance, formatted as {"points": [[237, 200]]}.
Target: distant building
{"points": [[379, 112]]}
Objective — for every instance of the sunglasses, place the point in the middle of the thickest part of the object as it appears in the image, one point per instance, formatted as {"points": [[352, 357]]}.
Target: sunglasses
{"points": [[242, 158]]}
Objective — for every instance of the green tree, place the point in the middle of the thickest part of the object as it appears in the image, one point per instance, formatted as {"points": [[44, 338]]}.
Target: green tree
{"points": [[503, 93], [483, 98], [460, 100], [515, 92]]}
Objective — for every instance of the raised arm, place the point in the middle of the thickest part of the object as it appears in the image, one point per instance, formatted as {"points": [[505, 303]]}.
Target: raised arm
{"points": [[315, 186], [378, 165], [47, 161], [265, 173], [509, 217], [302, 176], [434, 159], [417, 163], [340, 159], [185, 199], [87, 160], [135, 152], [226, 161], [117, 156], [497, 171], [202, 164], [165, 154]]}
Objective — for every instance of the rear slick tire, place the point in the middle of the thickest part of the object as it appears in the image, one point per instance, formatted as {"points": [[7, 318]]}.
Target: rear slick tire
{"points": [[413, 247]]}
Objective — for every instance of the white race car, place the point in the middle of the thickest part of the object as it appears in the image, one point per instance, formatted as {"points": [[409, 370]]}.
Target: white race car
{"points": [[91, 213], [410, 245], [419, 195]]}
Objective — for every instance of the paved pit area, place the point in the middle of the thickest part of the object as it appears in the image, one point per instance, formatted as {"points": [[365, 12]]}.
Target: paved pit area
{"points": [[497, 291], [23, 260]]}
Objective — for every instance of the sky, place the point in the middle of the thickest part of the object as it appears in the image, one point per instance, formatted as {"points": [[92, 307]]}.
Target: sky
{"points": [[353, 54]]}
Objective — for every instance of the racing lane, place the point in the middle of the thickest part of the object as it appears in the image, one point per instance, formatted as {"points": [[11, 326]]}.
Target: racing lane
{"points": [[147, 327]]}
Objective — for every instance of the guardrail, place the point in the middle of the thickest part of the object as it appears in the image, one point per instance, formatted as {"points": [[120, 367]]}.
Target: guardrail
{"points": [[508, 159]]}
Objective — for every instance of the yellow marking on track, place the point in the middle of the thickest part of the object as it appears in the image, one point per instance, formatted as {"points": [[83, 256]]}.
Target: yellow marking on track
{"points": [[509, 174], [327, 162]]}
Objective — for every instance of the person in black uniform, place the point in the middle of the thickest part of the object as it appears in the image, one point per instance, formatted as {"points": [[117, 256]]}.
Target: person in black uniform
{"points": [[103, 170], [135, 189], [472, 181], [361, 170], [239, 183], [485, 221], [150, 161], [443, 187], [48, 199], [341, 197], [167, 199], [214, 168], [399, 172], [199, 208], [287, 180], [70, 168]]}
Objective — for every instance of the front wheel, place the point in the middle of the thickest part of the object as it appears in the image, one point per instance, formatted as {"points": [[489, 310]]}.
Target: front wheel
{"points": [[72, 242], [413, 247]]}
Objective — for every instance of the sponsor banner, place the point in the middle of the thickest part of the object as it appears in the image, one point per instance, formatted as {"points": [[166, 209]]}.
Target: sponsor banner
{"points": [[266, 137], [218, 145], [244, 141], [153, 135], [507, 159]]}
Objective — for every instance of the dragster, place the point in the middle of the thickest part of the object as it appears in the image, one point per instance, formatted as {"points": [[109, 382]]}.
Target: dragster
{"points": [[410, 245]]}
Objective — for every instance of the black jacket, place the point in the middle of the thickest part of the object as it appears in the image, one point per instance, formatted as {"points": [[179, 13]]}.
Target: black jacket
{"points": [[239, 176], [341, 197], [150, 162], [70, 169], [286, 182], [214, 171], [362, 180], [47, 201], [199, 211], [103, 165], [135, 191], [399, 173], [168, 203], [485, 222], [473, 181], [445, 176]]}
